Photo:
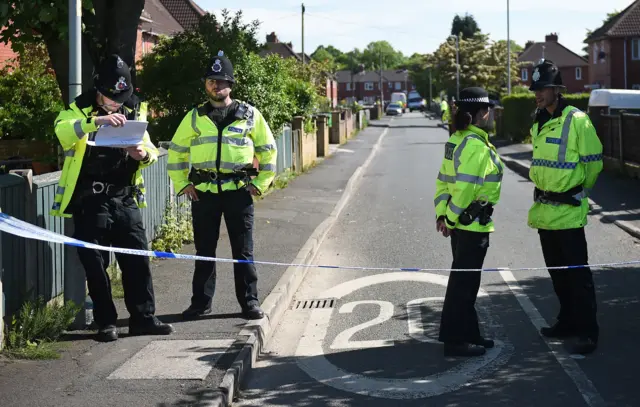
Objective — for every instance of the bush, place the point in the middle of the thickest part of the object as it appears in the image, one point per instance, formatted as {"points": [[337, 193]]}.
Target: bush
{"points": [[171, 76], [29, 97], [176, 229], [519, 112], [36, 326]]}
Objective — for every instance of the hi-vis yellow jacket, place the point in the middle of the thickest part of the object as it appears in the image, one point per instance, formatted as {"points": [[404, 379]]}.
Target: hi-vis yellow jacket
{"points": [[566, 153], [73, 127], [198, 140], [471, 171]]}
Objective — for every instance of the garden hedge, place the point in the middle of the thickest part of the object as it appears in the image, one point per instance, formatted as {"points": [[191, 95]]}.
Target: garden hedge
{"points": [[519, 110]]}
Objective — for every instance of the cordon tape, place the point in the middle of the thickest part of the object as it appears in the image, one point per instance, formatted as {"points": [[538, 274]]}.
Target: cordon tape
{"points": [[26, 230]]}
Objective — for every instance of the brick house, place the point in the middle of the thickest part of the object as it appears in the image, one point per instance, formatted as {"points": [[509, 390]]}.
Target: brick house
{"points": [[366, 86], [573, 68], [285, 49], [614, 51]]}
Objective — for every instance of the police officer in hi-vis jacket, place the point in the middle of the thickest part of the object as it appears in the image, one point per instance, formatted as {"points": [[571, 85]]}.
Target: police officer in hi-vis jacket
{"points": [[220, 139], [567, 159]]}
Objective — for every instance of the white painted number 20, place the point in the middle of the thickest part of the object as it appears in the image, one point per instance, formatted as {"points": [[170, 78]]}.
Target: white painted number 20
{"points": [[414, 320]]}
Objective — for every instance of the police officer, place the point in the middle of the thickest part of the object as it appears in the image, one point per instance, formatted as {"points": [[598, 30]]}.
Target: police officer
{"points": [[103, 190], [444, 111], [567, 159], [221, 138], [467, 188]]}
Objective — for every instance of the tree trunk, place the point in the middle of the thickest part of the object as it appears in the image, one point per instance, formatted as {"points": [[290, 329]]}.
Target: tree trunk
{"points": [[112, 30]]}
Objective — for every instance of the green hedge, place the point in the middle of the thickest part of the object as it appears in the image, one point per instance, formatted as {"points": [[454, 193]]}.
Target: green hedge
{"points": [[519, 110]]}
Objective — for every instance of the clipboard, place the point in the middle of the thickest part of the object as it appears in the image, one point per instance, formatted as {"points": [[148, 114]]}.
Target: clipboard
{"points": [[131, 134]]}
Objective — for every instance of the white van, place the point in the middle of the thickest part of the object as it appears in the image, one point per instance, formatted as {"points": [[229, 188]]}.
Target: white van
{"points": [[611, 101]]}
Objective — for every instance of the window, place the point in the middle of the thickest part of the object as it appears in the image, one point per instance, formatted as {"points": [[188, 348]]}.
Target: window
{"points": [[595, 53], [578, 73], [525, 74], [398, 85], [368, 86], [390, 85], [635, 49], [348, 85]]}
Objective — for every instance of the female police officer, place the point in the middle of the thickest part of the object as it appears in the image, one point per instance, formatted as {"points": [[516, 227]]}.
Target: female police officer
{"points": [[467, 188]]}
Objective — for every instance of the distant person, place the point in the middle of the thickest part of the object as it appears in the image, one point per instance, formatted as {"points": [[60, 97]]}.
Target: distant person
{"points": [[467, 188], [103, 190], [567, 159]]}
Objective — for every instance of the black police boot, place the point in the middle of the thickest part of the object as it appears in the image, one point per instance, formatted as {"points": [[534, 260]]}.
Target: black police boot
{"points": [[463, 349], [253, 312], [558, 331], [194, 312], [485, 343], [107, 333], [151, 326], [584, 346]]}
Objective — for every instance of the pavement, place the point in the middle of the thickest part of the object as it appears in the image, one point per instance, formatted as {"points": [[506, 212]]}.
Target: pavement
{"points": [[614, 199], [198, 365], [367, 337]]}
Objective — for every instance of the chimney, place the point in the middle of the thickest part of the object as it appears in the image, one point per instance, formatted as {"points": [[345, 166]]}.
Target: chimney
{"points": [[553, 37], [528, 44], [272, 38], [290, 44]]}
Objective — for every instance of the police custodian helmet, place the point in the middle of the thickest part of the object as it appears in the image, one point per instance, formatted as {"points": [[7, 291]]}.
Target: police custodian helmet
{"points": [[474, 96], [546, 75], [220, 68], [113, 79]]}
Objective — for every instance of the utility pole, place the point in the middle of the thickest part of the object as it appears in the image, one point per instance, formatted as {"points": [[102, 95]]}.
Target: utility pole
{"points": [[75, 49], [430, 95], [508, 54], [381, 88], [458, 67], [303, 62]]}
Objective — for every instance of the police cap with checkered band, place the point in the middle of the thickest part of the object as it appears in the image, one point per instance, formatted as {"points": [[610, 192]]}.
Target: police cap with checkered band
{"points": [[474, 96], [545, 75], [113, 79], [220, 68]]}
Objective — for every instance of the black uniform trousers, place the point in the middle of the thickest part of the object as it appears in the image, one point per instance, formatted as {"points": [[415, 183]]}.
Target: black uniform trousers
{"points": [[459, 320], [104, 220], [574, 287], [237, 208]]}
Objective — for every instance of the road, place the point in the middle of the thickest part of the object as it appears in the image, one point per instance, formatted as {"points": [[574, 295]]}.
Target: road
{"points": [[372, 342]]}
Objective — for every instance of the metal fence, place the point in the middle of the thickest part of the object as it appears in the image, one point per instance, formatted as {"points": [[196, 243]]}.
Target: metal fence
{"points": [[31, 268]]}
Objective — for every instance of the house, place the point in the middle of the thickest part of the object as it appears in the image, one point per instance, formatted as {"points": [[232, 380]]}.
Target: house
{"points": [[285, 49], [159, 17], [573, 68], [614, 51], [366, 86]]}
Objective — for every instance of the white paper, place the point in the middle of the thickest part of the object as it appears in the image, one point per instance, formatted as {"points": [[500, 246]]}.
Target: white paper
{"points": [[131, 134]]}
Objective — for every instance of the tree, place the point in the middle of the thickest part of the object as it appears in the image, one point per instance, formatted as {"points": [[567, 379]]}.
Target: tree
{"points": [[467, 26], [474, 70], [391, 59], [171, 76], [322, 55], [109, 26], [497, 63], [610, 16], [30, 97]]}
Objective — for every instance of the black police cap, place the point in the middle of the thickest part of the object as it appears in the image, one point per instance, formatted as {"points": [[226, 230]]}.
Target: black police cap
{"points": [[113, 79], [220, 68], [474, 96], [545, 75]]}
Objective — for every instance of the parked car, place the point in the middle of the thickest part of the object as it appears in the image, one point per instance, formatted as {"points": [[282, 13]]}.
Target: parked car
{"points": [[394, 109]]}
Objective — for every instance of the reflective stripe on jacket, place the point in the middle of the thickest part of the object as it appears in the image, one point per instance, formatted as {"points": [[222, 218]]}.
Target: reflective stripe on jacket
{"points": [[197, 141], [471, 171], [73, 127], [566, 153]]}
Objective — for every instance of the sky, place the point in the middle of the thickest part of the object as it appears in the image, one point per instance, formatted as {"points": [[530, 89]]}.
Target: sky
{"points": [[418, 26]]}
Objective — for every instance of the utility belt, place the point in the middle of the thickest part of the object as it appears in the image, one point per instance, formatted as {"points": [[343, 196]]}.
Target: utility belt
{"points": [[197, 177], [112, 190], [567, 197], [480, 210]]}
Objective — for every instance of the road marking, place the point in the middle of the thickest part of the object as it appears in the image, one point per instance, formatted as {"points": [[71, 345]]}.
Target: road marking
{"points": [[310, 354], [173, 359], [586, 388]]}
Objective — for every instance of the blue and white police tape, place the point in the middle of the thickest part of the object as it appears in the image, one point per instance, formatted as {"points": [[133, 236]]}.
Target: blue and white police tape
{"points": [[26, 230]]}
